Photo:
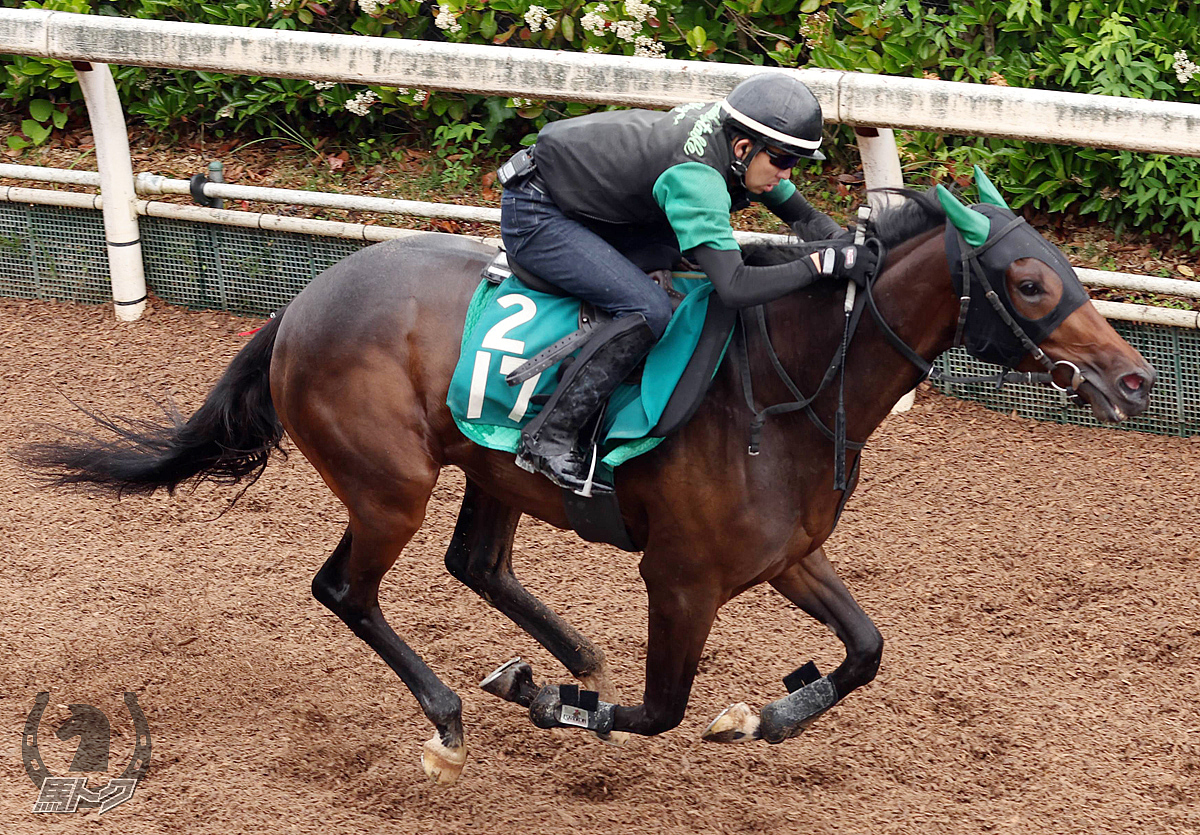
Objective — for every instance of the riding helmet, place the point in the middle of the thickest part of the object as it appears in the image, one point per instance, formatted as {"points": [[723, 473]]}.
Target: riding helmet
{"points": [[777, 110]]}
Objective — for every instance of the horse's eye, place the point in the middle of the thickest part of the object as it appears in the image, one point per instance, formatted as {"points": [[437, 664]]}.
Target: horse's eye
{"points": [[1029, 289]]}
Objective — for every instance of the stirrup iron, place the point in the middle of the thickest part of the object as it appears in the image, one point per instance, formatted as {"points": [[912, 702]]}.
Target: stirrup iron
{"points": [[586, 490]]}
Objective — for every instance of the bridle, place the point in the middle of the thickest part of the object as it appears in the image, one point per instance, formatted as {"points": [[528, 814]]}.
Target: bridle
{"points": [[972, 270], [836, 367]]}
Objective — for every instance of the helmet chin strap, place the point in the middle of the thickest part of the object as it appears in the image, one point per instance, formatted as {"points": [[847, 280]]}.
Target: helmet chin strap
{"points": [[740, 166]]}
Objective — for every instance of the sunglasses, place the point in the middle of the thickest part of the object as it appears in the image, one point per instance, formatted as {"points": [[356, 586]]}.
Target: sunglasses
{"points": [[781, 159]]}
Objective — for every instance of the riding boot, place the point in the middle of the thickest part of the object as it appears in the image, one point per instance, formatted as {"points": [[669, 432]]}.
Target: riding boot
{"points": [[550, 442]]}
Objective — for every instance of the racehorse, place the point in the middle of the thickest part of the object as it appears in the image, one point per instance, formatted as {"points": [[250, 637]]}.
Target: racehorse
{"points": [[356, 369]]}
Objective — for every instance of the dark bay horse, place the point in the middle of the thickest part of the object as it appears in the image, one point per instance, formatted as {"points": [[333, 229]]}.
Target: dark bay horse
{"points": [[356, 372]]}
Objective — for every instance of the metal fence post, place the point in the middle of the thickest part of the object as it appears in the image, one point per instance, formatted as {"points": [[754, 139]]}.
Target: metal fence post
{"points": [[116, 189], [881, 169]]}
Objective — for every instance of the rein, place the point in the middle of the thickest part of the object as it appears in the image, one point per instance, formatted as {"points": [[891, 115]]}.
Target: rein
{"points": [[855, 308], [801, 402], [837, 364]]}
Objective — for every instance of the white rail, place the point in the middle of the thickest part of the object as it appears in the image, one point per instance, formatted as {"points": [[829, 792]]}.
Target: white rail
{"points": [[155, 184], [122, 238], [374, 233], [850, 98]]}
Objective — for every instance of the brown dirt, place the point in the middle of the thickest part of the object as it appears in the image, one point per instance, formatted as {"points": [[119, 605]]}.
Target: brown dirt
{"points": [[1036, 585]]}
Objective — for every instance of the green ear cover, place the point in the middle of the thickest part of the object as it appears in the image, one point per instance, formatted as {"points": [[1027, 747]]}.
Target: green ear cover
{"points": [[974, 226], [988, 192]]}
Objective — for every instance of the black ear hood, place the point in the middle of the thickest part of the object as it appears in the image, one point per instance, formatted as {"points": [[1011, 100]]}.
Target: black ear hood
{"points": [[1010, 238]]}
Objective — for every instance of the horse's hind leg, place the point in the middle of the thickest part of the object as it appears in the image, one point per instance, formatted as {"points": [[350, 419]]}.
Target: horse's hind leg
{"points": [[348, 583], [480, 555], [814, 586]]}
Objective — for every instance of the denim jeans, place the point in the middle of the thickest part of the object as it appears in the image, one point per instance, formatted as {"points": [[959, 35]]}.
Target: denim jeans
{"points": [[569, 255]]}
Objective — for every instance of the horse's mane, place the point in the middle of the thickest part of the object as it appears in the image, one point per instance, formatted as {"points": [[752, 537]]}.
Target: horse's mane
{"points": [[892, 225]]}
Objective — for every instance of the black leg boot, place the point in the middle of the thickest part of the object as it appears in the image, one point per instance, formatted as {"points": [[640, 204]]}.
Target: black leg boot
{"points": [[549, 443]]}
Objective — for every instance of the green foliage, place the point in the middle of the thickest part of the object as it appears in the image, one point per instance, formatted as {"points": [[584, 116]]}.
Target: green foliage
{"points": [[43, 87], [1137, 48], [44, 117], [460, 147]]}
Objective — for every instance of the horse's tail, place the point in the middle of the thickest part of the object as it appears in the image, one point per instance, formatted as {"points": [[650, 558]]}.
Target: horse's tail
{"points": [[228, 440]]}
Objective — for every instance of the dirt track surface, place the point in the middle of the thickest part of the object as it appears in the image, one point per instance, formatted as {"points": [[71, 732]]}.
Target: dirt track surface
{"points": [[1036, 586]]}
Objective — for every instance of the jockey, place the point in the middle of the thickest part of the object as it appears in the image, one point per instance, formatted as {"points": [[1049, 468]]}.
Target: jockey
{"points": [[598, 192]]}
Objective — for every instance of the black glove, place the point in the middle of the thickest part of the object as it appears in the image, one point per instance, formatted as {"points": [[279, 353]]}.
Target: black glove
{"points": [[817, 228], [853, 262]]}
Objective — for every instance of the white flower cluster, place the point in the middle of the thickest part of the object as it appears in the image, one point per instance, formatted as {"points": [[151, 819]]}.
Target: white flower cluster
{"points": [[813, 25], [537, 18], [520, 102], [360, 104], [371, 6], [627, 30], [276, 5], [593, 22], [1185, 68], [446, 20], [646, 47], [323, 85], [419, 96], [638, 10], [595, 50]]}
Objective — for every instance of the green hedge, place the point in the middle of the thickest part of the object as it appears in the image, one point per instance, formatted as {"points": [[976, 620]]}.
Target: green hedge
{"points": [[1132, 48]]}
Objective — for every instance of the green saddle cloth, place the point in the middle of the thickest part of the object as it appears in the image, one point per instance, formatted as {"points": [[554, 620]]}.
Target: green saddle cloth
{"points": [[509, 323]]}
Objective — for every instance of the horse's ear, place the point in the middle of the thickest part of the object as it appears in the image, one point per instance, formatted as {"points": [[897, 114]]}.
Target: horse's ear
{"points": [[988, 193], [974, 226]]}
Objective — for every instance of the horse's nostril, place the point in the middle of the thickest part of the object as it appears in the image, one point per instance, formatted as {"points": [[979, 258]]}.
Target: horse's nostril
{"points": [[1132, 382]]}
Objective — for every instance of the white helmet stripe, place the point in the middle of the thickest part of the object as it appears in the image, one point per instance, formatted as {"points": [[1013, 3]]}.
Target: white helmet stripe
{"points": [[770, 133]]}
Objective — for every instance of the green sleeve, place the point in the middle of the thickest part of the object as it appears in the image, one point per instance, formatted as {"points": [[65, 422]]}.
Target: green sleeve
{"points": [[697, 204], [777, 195]]}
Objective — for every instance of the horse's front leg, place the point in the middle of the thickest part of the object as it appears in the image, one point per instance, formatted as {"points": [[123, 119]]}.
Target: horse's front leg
{"points": [[812, 585], [680, 618]]}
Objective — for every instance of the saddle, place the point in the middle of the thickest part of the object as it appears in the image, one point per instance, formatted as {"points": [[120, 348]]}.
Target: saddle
{"points": [[597, 518]]}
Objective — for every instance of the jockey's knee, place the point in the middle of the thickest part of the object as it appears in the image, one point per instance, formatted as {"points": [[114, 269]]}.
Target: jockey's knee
{"points": [[658, 314]]}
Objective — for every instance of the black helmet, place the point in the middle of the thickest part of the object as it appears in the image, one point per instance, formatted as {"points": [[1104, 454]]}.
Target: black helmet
{"points": [[777, 110]]}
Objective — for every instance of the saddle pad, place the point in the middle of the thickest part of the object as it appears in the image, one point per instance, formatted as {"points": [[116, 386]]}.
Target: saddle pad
{"points": [[509, 323]]}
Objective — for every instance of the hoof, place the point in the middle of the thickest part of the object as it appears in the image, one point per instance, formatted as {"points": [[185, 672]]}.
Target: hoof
{"points": [[736, 723], [511, 681], [442, 765], [617, 739]]}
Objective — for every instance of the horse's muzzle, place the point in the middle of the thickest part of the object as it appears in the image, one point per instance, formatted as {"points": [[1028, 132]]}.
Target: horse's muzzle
{"points": [[1115, 396]]}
